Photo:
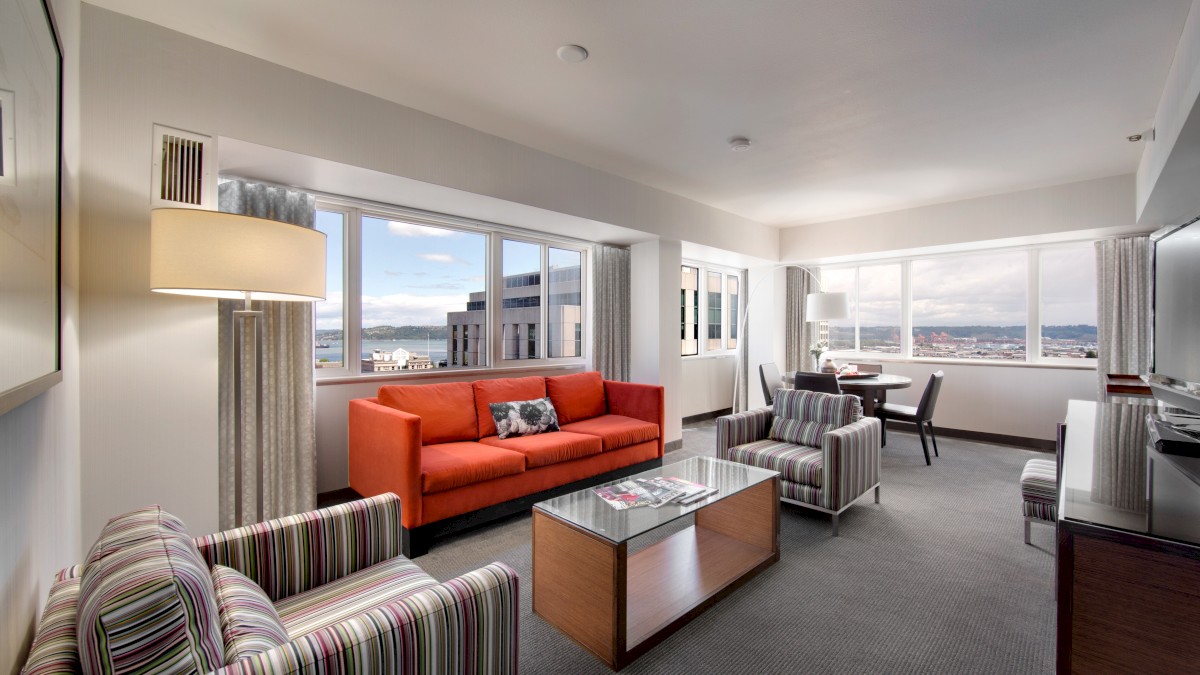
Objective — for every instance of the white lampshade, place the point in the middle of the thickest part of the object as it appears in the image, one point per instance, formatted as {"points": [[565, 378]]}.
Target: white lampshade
{"points": [[826, 306], [224, 255]]}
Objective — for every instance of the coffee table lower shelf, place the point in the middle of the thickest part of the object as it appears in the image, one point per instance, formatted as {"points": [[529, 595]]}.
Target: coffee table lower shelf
{"points": [[618, 606]]}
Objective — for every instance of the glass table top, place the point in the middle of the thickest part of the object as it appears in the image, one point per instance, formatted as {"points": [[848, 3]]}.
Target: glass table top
{"points": [[589, 511]]}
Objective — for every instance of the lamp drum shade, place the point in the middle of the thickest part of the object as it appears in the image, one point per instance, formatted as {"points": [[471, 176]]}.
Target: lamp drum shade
{"points": [[225, 255], [826, 306]]}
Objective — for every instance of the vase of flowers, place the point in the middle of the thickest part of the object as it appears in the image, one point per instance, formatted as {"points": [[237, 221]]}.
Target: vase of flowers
{"points": [[817, 349]]}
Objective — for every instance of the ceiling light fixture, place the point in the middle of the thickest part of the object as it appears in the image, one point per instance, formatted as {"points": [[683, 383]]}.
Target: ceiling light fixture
{"points": [[572, 54], [739, 144]]}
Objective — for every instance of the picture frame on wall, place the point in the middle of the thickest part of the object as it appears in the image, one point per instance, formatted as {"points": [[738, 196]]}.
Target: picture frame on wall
{"points": [[30, 190]]}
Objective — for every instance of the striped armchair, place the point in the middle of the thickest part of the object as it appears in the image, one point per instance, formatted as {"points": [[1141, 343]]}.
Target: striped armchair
{"points": [[319, 592], [826, 452]]}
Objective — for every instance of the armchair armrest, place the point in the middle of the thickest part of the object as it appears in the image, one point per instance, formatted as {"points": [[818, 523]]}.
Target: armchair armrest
{"points": [[385, 454], [851, 461], [296, 553], [740, 428], [465, 625]]}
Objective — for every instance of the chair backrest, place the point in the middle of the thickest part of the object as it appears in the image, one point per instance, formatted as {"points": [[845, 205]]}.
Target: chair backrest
{"points": [[870, 367], [771, 381], [825, 382], [929, 397]]}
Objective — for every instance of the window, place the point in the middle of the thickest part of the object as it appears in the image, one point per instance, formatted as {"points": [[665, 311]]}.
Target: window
{"points": [[689, 310], [329, 314], [1068, 302], [1009, 305], [410, 291], [707, 313], [970, 306]]}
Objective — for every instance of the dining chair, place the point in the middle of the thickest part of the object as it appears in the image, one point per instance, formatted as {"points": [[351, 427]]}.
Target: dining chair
{"points": [[922, 415], [825, 382], [771, 381]]}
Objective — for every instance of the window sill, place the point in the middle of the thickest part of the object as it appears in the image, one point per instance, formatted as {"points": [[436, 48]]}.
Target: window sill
{"points": [[445, 373], [702, 357], [849, 357]]}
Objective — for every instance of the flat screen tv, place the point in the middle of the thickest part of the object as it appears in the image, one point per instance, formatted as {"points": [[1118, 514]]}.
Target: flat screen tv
{"points": [[1176, 373]]}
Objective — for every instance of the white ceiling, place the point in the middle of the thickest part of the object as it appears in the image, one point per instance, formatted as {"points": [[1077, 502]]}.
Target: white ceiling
{"points": [[854, 106]]}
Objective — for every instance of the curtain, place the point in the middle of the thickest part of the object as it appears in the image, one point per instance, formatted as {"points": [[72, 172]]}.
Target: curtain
{"points": [[1123, 307], [741, 392], [287, 443], [799, 334], [610, 312]]}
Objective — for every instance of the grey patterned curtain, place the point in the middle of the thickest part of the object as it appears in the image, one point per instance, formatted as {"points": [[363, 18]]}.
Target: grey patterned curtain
{"points": [[1123, 312], [288, 421], [800, 334], [610, 312]]}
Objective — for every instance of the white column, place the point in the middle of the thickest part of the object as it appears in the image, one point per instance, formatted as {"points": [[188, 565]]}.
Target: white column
{"points": [[654, 316]]}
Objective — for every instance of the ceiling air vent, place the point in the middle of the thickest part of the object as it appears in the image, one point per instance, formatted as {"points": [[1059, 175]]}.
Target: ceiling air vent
{"points": [[182, 169]]}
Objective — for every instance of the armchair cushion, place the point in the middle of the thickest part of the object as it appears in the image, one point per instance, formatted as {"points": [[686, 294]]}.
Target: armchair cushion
{"points": [[146, 600], [803, 416], [447, 411], [249, 622], [352, 595], [795, 463]]}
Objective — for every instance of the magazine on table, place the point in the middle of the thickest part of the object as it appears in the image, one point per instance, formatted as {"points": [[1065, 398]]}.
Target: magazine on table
{"points": [[653, 492]]}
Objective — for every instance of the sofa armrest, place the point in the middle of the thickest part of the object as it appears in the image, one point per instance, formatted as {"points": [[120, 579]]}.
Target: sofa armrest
{"points": [[385, 454], [296, 553], [639, 401], [851, 461], [465, 625], [740, 428]]}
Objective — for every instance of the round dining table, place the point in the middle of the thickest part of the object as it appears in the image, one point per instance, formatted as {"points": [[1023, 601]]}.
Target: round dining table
{"points": [[867, 386]]}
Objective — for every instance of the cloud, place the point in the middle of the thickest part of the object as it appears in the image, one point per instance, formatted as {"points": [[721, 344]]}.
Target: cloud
{"points": [[402, 229], [443, 258], [404, 309]]}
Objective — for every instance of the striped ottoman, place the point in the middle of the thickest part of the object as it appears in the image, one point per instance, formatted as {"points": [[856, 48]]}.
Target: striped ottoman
{"points": [[1039, 492]]}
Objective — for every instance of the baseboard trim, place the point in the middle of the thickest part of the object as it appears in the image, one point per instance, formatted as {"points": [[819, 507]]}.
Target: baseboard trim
{"points": [[672, 446], [981, 436], [702, 417]]}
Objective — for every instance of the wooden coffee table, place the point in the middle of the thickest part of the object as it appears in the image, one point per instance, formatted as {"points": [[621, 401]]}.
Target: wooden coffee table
{"points": [[618, 605]]}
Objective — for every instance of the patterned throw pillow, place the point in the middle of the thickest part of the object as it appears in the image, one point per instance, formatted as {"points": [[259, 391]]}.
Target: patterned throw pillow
{"points": [[249, 623], [524, 418]]}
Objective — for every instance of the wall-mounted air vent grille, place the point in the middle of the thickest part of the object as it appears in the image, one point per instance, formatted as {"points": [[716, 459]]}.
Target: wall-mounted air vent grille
{"points": [[182, 173]]}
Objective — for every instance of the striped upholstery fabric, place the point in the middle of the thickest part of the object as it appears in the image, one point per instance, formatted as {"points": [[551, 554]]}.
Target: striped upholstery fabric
{"points": [[339, 600], [55, 648], [290, 555], [814, 406], [146, 600], [1039, 489], [795, 463], [742, 428], [852, 458], [249, 622], [467, 625], [806, 494]]}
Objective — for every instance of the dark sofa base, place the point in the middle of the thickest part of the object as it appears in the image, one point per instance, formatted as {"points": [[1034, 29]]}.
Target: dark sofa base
{"points": [[417, 541]]}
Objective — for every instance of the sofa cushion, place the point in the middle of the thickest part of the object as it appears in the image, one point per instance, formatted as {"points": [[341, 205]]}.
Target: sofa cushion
{"points": [[447, 411], [524, 418], [146, 600], [577, 397], [249, 623], [500, 391], [446, 466], [615, 431], [352, 594], [549, 448], [55, 647], [795, 463]]}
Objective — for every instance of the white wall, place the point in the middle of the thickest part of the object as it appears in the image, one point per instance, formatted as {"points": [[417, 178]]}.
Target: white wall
{"points": [[1075, 211], [654, 316], [149, 361], [39, 441], [1011, 400], [707, 384]]}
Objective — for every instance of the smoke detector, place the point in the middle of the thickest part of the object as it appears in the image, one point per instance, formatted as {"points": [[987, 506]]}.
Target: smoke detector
{"points": [[572, 54], [739, 144]]}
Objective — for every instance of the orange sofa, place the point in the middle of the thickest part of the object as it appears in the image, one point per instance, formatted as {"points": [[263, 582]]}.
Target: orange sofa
{"points": [[435, 445]]}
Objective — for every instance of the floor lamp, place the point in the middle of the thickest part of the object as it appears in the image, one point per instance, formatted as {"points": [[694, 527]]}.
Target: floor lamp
{"points": [[818, 306], [225, 255]]}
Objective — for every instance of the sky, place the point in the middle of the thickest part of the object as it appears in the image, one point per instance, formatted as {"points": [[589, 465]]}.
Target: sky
{"points": [[412, 275], [981, 289]]}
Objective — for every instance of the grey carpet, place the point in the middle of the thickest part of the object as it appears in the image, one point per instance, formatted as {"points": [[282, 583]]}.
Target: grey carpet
{"points": [[935, 579]]}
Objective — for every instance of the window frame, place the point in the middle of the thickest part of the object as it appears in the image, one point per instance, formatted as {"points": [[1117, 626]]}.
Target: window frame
{"points": [[354, 211], [702, 323], [1033, 320]]}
